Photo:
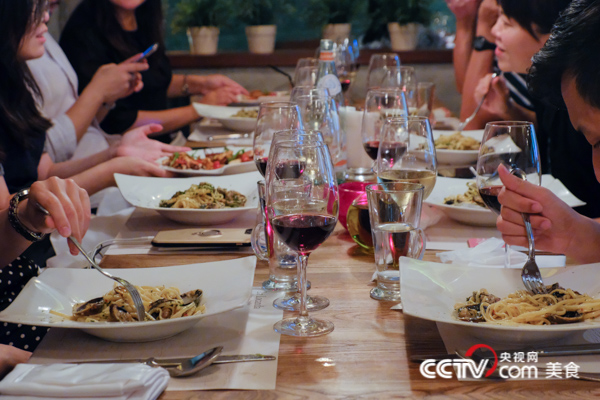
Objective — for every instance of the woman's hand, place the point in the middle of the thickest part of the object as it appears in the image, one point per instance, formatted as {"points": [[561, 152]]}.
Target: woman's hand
{"points": [[11, 356], [115, 81], [208, 83], [68, 206], [136, 143], [496, 96], [464, 9], [220, 97], [556, 226], [486, 18]]}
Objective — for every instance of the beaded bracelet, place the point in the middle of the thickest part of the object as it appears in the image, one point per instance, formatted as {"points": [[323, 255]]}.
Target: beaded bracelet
{"points": [[16, 223]]}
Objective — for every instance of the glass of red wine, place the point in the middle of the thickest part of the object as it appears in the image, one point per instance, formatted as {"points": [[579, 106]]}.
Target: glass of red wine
{"points": [[272, 117], [303, 212], [513, 144], [380, 105]]}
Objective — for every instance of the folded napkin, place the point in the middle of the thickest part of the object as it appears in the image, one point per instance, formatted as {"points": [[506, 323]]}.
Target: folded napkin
{"points": [[84, 381], [490, 253]]}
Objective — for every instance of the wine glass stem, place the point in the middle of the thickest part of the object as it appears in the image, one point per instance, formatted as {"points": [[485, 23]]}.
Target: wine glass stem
{"points": [[302, 263], [506, 256]]}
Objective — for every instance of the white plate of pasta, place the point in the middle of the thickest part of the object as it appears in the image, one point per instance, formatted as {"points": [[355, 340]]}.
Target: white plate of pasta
{"points": [[239, 119], [474, 214], [45, 299], [456, 150], [431, 290], [148, 193]]}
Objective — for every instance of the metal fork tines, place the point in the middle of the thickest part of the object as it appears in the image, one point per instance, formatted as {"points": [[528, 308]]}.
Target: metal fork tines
{"points": [[530, 275], [133, 292], [463, 124]]}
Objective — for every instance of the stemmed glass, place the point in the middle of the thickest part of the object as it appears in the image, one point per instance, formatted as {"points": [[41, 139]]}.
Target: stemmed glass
{"points": [[380, 104], [407, 152], [379, 64], [306, 71], [272, 117], [345, 65], [513, 144], [406, 79], [303, 212]]}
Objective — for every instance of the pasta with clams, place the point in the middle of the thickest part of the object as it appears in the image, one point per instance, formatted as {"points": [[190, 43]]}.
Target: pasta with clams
{"points": [[205, 196]]}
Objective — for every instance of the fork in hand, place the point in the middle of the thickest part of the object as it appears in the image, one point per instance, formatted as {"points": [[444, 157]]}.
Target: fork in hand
{"points": [[462, 125], [133, 292], [531, 276]]}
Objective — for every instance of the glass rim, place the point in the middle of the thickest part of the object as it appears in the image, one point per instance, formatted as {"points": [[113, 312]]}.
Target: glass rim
{"points": [[273, 104], [509, 123], [384, 90], [391, 187], [305, 132]]}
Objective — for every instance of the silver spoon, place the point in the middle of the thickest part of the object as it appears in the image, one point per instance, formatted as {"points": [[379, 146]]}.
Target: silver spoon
{"points": [[179, 367]]}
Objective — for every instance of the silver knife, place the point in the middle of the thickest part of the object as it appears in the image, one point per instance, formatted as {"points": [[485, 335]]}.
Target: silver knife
{"points": [[171, 361], [551, 351], [228, 136]]}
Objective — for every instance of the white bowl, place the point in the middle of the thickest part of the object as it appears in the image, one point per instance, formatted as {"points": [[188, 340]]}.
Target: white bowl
{"points": [[226, 285], [471, 214], [223, 114], [145, 192], [229, 169], [458, 157], [430, 291]]}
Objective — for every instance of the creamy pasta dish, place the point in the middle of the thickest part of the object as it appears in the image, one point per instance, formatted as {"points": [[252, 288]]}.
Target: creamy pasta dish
{"points": [[471, 196], [559, 306], [160, 303], [456, 141], [205, 196]]}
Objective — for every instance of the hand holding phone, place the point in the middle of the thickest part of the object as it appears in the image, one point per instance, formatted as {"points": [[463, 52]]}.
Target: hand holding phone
{"points": [[148, 52]]}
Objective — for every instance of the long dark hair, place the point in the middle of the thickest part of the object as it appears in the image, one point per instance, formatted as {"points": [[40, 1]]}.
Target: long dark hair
{"points": [[149, 19], [20, 118]]}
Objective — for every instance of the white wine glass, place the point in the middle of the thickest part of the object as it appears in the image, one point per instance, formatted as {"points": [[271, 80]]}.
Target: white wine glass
{"points": [[514, 145], [303, 212], [407, 152]]}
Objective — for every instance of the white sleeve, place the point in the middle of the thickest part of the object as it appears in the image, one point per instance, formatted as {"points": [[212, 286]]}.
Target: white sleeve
{"points": [[61, 139]]}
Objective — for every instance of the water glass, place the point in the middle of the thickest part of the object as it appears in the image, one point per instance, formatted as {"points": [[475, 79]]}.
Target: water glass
{"points": [[425, 99], [395, 212], [268, 247]]}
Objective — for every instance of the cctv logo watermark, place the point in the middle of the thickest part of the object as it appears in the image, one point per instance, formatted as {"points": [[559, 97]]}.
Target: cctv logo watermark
{"points": [[509, 366], [464, 368]]}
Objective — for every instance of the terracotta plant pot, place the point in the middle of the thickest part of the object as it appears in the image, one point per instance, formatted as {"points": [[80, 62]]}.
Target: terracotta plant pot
{"points": [[403, 37], [337, 32], [203, 39], [261, 38]]}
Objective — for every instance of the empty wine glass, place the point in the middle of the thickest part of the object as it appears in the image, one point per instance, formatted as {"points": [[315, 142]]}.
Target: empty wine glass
{"points": [[306, 71], [272, 117], [380, 104], [513, 144], [345, 65], [407, 152], [379, 64], [404, 78], [303, 212]]}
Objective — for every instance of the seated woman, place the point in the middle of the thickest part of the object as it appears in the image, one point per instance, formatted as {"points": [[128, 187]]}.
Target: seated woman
{"points": [[564, 71], [109, 31], [521, 31]]}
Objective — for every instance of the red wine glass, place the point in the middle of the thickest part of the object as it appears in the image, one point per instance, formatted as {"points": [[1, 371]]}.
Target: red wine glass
{"points": [[513, 144], [303, 212]]}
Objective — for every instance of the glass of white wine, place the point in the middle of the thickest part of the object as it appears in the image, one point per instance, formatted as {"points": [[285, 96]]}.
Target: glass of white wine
{"points": [[407, 152]]}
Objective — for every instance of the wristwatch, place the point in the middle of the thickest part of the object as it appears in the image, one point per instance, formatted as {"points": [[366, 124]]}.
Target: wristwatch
{"points": [[480, 43]]}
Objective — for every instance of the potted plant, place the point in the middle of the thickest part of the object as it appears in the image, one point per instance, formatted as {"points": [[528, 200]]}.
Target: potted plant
{"points": [[260, 18], [403, 18], [201, 19], [335, 16]]}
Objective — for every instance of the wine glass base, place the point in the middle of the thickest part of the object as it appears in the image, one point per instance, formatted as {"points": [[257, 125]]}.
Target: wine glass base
{"points": [[312, 328], [292, 303], [385, 295]]}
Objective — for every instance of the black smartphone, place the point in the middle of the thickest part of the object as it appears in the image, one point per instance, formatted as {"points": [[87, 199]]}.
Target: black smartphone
{"points": [[149, 51]]}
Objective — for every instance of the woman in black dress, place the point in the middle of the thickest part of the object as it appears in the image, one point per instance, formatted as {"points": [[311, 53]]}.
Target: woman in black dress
{"points": [[110, 31]]}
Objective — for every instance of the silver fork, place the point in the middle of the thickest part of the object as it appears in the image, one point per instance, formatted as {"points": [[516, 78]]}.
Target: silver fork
{"points": [[133, 292], [462, 125], [531, 276]]}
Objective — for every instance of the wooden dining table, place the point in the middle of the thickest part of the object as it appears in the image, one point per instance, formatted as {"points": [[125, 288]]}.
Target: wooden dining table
{"points": [[368, 354]]}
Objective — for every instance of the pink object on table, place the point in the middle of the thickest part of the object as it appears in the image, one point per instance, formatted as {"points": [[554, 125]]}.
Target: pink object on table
{"points": [[349, 192]]}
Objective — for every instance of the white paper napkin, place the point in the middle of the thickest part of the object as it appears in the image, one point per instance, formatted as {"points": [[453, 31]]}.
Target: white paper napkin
{"points": [[490, 253], [85, 381]]}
